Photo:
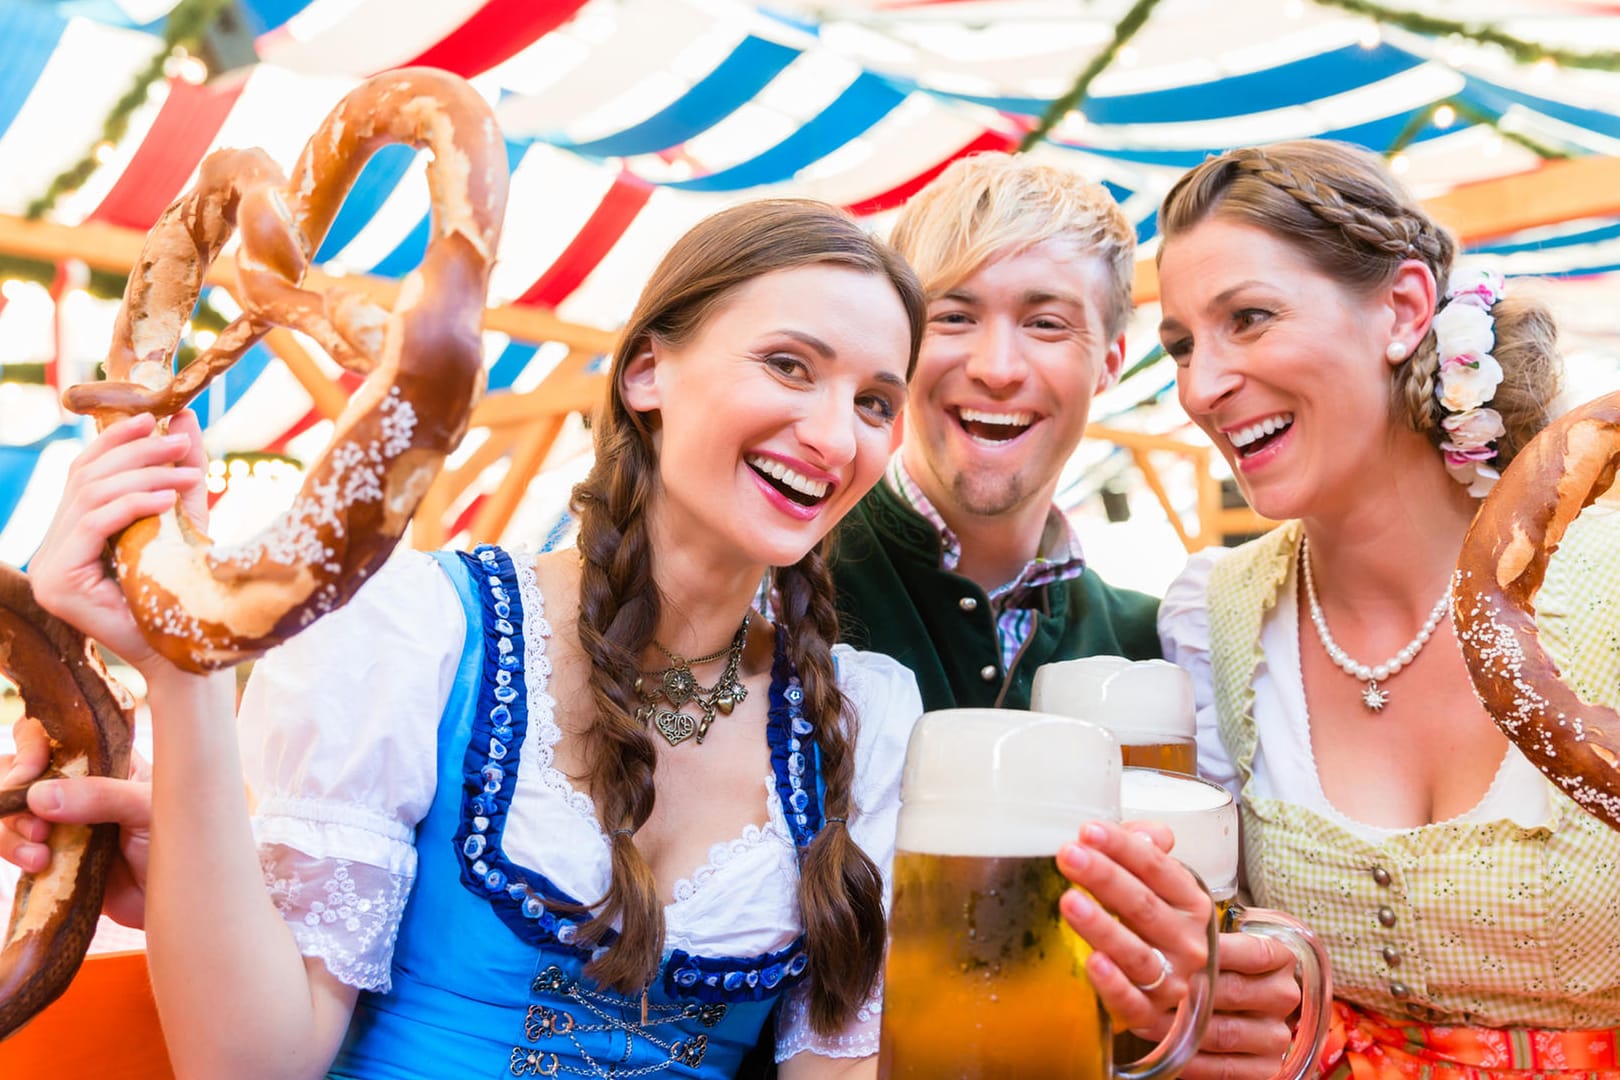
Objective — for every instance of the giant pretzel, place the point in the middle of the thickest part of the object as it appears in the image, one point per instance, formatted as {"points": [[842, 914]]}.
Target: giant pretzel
{"points": [[86, 717], [1500, 571], [207, 606]]}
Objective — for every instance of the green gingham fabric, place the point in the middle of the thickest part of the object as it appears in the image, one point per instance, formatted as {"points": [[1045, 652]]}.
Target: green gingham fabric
{"points": [[1490, 924]]}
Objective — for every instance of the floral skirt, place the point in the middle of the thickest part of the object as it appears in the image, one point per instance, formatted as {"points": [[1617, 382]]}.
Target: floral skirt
{"points": [[1365, 1045]]}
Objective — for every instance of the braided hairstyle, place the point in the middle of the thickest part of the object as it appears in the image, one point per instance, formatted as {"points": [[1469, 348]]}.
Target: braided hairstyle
{"points": [[1342, 209], [840, 890]]}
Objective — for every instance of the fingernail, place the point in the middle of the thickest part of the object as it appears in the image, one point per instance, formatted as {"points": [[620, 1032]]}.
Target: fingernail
{"points": [[1145, 837], [46, 797], [1084, 906], [1074, 857], [1093, 833], [33, 857], [1102, 965]]}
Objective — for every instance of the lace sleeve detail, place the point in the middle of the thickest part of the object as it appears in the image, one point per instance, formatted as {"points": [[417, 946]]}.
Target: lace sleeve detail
{"points": [[345, 913], [858, 1039]]}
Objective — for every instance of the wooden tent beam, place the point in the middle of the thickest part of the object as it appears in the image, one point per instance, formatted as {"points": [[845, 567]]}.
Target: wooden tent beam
{"points": [[1558, 191], [111, 247]]}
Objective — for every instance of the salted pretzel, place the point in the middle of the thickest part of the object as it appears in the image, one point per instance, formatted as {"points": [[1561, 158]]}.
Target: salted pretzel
{"points": [[205, 605], [86, 717], [1500, 571]]}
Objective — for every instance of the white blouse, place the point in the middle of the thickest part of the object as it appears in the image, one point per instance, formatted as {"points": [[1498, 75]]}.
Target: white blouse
{"points": [[1284, 767], [340, 736]]}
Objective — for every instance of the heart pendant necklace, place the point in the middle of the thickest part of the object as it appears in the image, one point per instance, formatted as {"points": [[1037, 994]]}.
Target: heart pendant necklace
{"points": [[678, 687]]}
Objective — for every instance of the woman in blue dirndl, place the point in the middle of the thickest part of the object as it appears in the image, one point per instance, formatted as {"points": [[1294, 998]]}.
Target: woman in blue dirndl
{"points": [[455, 864]]}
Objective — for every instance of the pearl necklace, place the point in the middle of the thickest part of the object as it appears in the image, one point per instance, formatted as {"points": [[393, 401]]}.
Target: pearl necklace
{"points": [[1373, 696]]}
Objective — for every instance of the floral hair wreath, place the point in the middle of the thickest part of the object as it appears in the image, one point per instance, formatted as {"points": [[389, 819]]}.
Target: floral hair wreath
{"points": [[1465, 333]]}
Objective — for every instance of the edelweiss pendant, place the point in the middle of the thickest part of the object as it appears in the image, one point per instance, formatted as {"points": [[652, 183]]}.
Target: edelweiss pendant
{"points": [[1374, 698], [675, 727]]}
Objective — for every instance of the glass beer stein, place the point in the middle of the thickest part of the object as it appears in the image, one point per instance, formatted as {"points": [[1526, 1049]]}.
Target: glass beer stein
{"points": [[984, 978], [1147, 704], [1204, 819]]}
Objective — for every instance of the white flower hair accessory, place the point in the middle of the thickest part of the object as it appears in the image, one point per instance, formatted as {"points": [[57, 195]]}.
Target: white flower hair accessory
{"points": [[1465, 334]]}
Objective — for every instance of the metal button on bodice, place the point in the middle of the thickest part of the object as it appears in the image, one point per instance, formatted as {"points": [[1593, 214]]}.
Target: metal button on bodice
{"points": [[1380, 875], [1386, 916], [1398, 989], [1392, 955], [968, 603], [988, 673]]}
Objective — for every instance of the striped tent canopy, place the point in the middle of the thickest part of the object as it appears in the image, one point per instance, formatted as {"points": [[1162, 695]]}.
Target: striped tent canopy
{"points": [[627, 120]]}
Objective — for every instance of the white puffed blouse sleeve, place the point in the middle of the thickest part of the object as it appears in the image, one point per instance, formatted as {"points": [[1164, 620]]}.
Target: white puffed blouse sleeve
{"points": [[885, 701], [339, 734], [1184, 637]]}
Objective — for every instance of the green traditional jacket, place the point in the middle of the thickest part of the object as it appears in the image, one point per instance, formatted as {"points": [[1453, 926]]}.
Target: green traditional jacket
{"points": [[894, 598]]}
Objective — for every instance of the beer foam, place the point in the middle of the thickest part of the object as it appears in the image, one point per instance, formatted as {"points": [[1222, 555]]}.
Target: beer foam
{"points": [[1004, 782], [1136, 699], [1201, 814]]}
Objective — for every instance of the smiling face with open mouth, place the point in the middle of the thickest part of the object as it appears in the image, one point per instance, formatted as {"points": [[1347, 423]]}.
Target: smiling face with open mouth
{"points": [[1280, 365], [777, 416], [1010, 360]]}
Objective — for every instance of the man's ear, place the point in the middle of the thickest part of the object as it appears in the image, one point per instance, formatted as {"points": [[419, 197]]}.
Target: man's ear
{"points": [[638, 382], [1113, 364]]}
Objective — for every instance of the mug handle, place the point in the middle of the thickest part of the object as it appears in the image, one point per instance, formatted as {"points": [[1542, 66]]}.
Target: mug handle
{"points": [[1316, 978], [1180, 1043]]}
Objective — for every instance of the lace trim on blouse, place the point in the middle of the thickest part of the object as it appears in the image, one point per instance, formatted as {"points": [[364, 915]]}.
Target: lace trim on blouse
{"points": [[726, 850], [345, 913], [858, 1039], [544, 733]]}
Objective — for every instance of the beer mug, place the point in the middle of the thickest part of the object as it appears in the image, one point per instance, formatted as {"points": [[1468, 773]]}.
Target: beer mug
{"points": [[1204, 819], [1147, 704], [983, 977]]}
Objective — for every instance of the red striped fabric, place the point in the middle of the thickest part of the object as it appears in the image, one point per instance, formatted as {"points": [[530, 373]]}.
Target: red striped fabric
{"points": [[499, 31], [988, 140], [602, 230], [184, 129]]}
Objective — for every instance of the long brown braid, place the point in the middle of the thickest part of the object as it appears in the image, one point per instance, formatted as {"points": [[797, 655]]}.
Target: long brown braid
{"points": [[1342, 208], [840, 889]]}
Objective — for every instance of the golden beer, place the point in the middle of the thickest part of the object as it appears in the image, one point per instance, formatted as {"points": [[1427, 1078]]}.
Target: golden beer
{"points": [[984, 978], [1166, 754]]}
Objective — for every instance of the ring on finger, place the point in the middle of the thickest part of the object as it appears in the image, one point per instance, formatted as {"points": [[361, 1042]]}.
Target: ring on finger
{"points": [[1165, 970]]}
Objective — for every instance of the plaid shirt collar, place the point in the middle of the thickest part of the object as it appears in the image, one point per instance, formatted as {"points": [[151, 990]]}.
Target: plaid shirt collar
{"points": [[1058, 558]]}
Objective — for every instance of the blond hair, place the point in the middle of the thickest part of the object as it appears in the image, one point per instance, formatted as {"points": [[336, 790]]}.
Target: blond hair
{"points": [[992, 205]]}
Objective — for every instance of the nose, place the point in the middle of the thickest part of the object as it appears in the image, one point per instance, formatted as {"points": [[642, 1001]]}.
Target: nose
{"points": [[827, 429], [996, 359], [1207, 377]]}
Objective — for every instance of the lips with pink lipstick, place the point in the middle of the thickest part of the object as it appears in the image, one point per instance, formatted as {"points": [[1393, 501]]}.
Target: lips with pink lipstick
{"points": [[989, 427], [1254, 437], [793, 485]]}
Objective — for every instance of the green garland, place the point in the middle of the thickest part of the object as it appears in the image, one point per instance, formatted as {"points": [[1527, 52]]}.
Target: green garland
{"points": [[1128, 25], [1525, 52], [1465, 111], [184, 29]]}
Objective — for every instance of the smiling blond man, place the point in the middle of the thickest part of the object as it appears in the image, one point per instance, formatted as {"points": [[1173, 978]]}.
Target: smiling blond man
{"points": [[958, 563]]}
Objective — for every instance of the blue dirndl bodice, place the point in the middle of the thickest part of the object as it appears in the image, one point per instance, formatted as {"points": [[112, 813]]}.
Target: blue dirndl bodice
{"points": [[486, 980]]}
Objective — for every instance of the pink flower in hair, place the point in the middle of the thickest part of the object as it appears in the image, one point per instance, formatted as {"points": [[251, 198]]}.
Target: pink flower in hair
{"points": [[1476, 288]]}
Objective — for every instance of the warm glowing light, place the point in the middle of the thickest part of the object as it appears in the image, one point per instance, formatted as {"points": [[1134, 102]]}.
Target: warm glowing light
{"points": [[1445, 116]]}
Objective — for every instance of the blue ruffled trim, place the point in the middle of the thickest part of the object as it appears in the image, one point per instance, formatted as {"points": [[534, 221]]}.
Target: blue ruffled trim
{"points": [[732, 978], [500, 723], [795, 757]]}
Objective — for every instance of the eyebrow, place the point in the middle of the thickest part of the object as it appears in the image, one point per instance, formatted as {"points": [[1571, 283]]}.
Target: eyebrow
{"points": [[1171, 325], [1028, 299], [826, 352]]}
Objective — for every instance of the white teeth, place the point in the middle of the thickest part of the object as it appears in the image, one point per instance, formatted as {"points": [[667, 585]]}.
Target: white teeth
{"points": [[1270, 425], [1017, 419], [814, 489]]}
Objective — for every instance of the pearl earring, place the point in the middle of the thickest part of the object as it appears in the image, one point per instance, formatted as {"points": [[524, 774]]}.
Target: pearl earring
{"points": [[1395, 351]]}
